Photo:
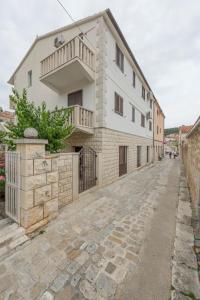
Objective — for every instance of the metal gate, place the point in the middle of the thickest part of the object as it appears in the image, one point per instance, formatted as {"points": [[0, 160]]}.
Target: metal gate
{"points": [[12, 198], [87, 169]]}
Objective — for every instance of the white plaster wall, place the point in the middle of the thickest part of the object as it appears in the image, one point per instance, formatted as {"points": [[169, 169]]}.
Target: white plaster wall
{"points": [[119, 82], [39, 92]]}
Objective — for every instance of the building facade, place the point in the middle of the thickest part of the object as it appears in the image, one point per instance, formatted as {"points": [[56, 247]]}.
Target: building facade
{"points": [[183, 131], [159, 119], [89, 65]]}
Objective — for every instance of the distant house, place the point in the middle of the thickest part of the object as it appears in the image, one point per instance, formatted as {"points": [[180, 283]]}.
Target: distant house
{"points": [[6, 116], [183, 131]]}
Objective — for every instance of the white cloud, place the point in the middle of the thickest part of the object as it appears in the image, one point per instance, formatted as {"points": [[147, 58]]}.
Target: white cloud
{"points": [[164, 36]]}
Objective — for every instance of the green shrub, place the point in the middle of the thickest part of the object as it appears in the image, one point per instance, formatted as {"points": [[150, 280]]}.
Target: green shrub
{"points": [[53, 126]]}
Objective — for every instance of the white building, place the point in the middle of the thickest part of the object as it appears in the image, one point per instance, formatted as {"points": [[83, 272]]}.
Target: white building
{"points": [[90, 65]]}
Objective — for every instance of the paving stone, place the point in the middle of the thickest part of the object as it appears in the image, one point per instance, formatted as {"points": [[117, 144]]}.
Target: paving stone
{"points": [[75, 280], [105, 286], [118, 234], [91, 248], [132, 257], [115, 240], [73, 254], [109, 254], [47, 296], [121, 229], [110, 268], [87, 290], [83, 246], [91, 273], [59, 282], [77, 244], [82, 258], [73, 267]]}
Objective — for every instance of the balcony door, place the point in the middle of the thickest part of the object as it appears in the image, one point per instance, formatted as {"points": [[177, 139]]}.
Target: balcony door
{"points": [[75, 98]]}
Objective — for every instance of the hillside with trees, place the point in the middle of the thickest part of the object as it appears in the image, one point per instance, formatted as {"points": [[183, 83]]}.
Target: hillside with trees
{"points": [[171, 130]]}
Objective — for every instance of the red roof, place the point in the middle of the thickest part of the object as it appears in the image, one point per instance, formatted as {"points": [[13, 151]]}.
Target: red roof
{"points": [[6, 116], [186, 129]]}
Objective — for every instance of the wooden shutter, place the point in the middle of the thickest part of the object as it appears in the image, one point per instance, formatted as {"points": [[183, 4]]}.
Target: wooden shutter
{"points": [[118, 104]]}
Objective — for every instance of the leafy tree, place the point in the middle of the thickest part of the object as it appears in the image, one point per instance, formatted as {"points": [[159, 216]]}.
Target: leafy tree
{"points": [[1, 109], [53, 126]]}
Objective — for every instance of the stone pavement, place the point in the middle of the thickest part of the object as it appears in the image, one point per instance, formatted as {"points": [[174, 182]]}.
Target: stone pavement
{"points": [[88, 250]]}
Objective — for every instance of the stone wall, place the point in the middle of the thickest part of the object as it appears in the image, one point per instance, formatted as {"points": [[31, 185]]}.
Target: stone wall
{"points": [[65, 192], [191, 159], [48, 182], [106, 142]]}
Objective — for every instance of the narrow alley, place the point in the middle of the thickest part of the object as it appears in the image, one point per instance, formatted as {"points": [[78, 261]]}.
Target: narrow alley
{"points": [[114, 241]]}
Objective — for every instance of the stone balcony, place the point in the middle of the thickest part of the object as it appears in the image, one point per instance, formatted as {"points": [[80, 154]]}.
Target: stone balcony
{"points": [[70, 64], [82, 119]]}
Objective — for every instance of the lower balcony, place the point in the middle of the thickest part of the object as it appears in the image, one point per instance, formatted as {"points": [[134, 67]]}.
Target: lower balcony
{"points": [[82, 119], [67, 66]]}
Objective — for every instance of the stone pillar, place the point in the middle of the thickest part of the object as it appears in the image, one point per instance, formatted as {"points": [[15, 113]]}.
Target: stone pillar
{"points": [[39, 184], [99, 169]]}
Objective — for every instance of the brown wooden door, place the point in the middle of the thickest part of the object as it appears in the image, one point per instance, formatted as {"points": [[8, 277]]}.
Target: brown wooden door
{"points": [[147, 154], [122, 160], [139, 156], [75, 98]]}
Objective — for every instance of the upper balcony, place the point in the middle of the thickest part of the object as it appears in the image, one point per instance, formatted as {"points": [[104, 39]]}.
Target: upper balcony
{"points": [[70, 64]]}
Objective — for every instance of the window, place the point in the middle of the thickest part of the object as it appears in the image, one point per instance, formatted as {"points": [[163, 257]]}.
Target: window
{"points": [[134, 78], [142, 120], [151, 103], [133, 113], [29, 78], [143, 92], [119, 58], [118, 104], [148, 95], [157, 129], [150, 126]]}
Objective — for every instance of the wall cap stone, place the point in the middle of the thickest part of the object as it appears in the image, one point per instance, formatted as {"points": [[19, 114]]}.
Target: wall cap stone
{"points": [[31, 141]]}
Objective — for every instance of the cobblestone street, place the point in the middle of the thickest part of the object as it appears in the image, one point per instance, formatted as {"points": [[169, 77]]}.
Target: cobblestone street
{"points": [[94, 245]]}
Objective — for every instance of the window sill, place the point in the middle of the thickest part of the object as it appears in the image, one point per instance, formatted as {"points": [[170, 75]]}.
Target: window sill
{"points": [[118, 113]]}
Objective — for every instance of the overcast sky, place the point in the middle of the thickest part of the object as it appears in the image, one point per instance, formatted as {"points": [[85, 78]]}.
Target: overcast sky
{"points": [[164, 36]]}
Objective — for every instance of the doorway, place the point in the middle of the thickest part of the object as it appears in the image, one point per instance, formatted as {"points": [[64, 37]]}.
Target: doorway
{"points": [[75, 98], [122, 160]]}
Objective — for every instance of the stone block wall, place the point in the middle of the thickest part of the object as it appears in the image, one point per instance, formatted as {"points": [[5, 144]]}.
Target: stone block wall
{"points": [[48, 182], [191, 159], [110, 153], [65, 184], [106, 142]]}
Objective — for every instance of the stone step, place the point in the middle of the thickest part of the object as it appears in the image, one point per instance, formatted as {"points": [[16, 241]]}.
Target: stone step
{"points": [[4, 222], [18, 241], [8, 228], [13, 234]]}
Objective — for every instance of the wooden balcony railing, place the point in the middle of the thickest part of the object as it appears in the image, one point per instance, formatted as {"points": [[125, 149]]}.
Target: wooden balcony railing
{"points": [[81, 117], [68, 51]]}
